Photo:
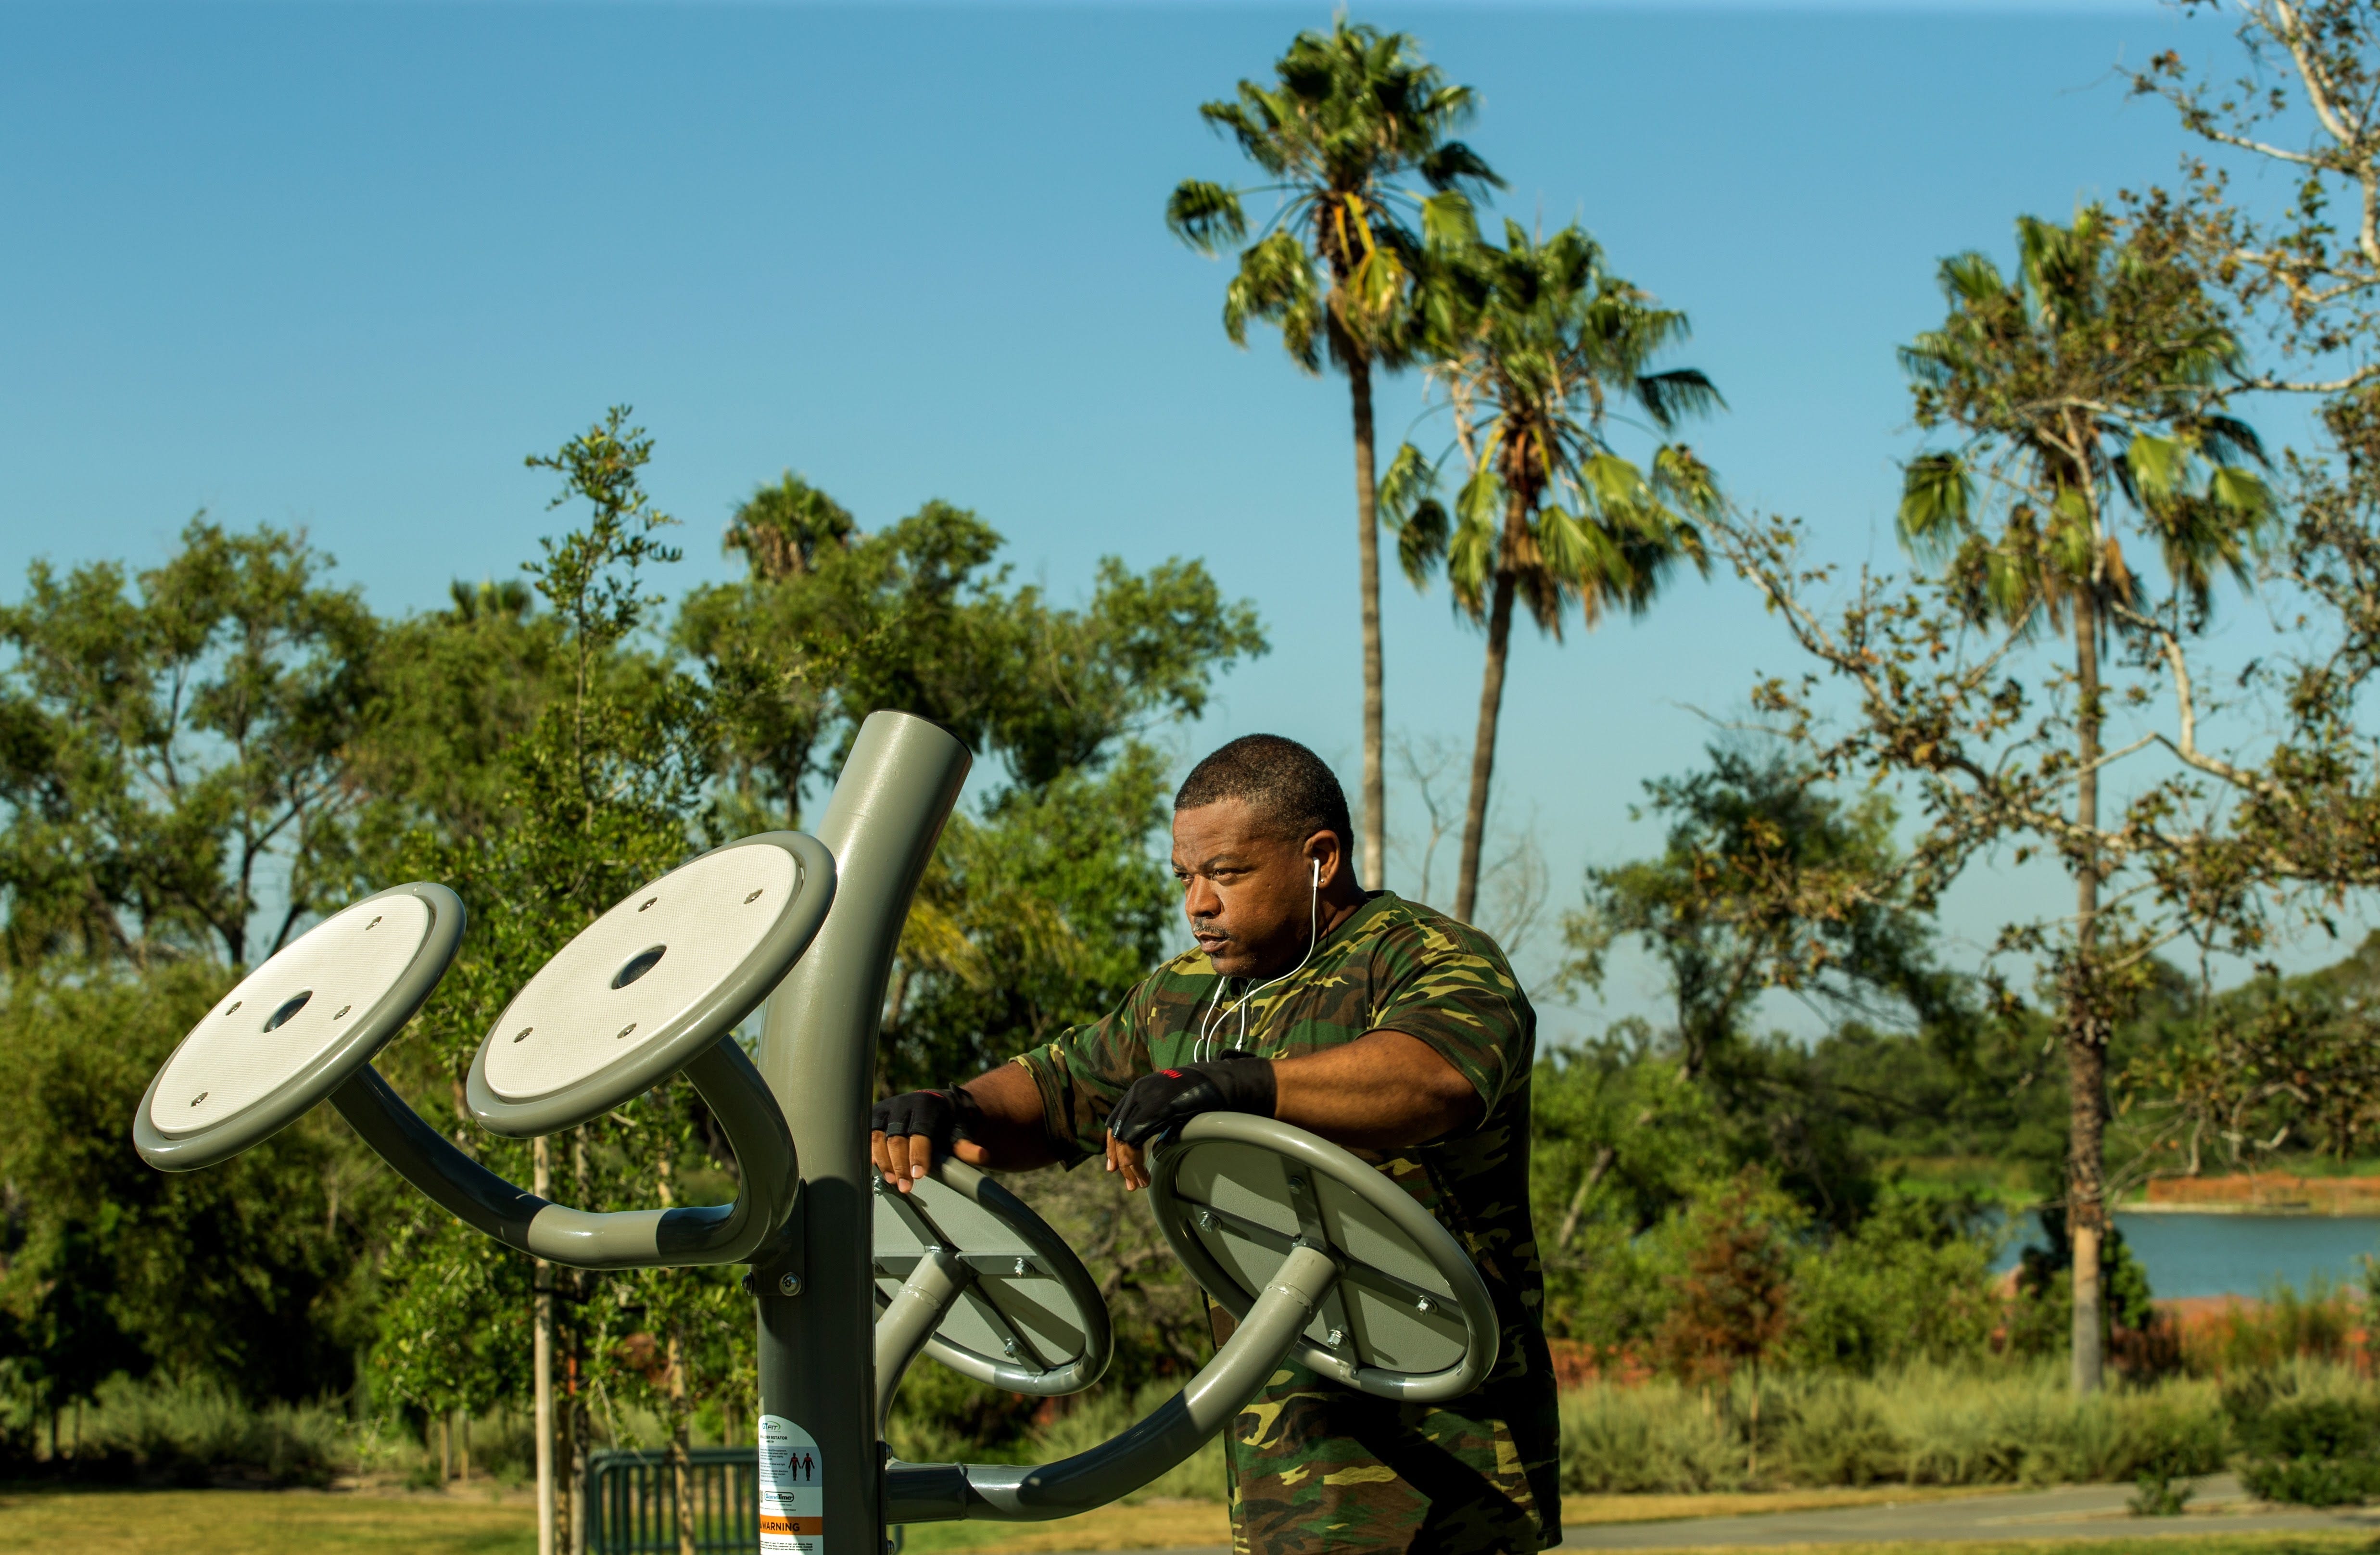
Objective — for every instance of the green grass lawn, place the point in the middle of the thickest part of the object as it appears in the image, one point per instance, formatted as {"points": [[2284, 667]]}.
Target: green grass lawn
{"points": [[331, 1523], [260, 1523], [2343, 1543]]}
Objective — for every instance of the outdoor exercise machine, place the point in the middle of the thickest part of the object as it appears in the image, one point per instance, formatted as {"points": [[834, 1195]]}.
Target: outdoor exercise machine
{"points": [[1318, 1256]]}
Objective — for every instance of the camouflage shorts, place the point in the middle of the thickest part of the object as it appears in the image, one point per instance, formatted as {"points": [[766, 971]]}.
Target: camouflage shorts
{"points": [[1316, 1468]]}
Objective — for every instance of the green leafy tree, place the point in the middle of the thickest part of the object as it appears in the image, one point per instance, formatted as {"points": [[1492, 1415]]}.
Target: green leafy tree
{"points": [[172, 741], [1769, 882], [451, 689], [1540, 345], [1621, 1140], [1910, 1285], [2076, 399], [1351, 116], [1766, 881], [2082, 389], [255, 1273], [599, 795], [918, 618]]}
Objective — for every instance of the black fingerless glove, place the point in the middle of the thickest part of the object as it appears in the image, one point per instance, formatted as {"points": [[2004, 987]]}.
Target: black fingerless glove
{"points": [[940, 1115], [1237, 1082]]}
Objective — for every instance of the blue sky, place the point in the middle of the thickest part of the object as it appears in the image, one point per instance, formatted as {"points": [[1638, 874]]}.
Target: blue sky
{"points": [[342, 265]]}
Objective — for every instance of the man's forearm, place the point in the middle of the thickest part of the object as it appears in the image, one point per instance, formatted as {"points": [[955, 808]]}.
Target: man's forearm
{"points": [[1015, 1135], [1383, 1091], [1379, 1092]]}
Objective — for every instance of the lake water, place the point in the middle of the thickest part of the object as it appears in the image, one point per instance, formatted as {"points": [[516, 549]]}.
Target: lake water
{"points": [[2234, 1255]]}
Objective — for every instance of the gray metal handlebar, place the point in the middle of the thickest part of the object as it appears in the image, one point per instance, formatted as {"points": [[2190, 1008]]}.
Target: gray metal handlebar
{"points": [[910, 1319], [626, 1239], [1010, 1493], [1307, 1162]]}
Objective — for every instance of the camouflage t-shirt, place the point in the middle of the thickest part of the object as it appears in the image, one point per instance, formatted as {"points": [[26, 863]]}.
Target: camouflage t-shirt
{"points": [[1315, 1467]]}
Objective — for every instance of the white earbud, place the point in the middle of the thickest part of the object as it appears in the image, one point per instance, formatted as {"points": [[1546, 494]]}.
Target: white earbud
{"points": [[1313, 937]]}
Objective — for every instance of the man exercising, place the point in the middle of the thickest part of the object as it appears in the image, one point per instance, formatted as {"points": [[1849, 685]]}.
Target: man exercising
{"points": [[1374, 1022]]}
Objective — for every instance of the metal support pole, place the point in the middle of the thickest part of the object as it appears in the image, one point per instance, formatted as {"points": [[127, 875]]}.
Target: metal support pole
{"points": [[818, 1054]]}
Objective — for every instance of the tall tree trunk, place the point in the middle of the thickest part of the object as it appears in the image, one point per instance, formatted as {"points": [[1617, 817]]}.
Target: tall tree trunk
{"points": [[582, 1423], [1367, 553], [680, 1459], [681, 1408], [542, 1184], [2086, 1023], [1483, 745]]}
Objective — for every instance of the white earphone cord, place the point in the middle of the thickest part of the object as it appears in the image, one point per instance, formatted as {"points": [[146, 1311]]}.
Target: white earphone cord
{"points": [[1313, 937]]}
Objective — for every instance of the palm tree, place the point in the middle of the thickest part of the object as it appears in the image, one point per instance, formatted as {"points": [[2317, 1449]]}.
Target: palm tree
{"points": [[1351, 111], [2084, 387], [1540, 344], [780, 528]]}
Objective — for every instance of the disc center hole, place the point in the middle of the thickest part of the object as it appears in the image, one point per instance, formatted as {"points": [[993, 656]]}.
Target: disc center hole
{"points": [[642, 962], [289, 1007]]}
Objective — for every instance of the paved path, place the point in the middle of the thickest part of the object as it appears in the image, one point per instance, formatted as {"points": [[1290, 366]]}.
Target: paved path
{"points": [[2070, 1512]]}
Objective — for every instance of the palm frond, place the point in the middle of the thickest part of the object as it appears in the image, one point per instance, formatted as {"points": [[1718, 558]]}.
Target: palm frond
{"points": [[1411, 478], [1447, 221], [1937, 493], [1684, 391], [1680, 475], [1421, 541], [1454, 164], [1207, 216], [1276, 284], [2153, 468]]}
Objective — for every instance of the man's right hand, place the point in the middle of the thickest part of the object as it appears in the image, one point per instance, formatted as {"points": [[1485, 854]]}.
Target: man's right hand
{"points": [[908, 1132]]}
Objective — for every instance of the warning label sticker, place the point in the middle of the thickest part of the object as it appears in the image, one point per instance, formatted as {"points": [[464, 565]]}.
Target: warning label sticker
{"points": [[792, 1494]]}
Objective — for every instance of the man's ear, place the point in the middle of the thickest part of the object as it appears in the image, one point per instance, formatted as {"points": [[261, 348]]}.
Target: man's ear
{"points": [[1330, 861]]}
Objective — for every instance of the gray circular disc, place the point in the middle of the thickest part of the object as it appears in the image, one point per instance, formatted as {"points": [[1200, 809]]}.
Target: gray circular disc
{"points": [[1409, 1318], [1031, 1320], [666, 972], [296, 1029]]}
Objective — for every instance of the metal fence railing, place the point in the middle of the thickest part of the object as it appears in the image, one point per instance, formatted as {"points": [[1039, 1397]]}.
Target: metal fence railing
{"points": [[632, 1505]]}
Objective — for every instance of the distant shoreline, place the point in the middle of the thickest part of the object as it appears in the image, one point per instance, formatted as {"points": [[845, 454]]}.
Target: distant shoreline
{"points": [[2298, 1211]]}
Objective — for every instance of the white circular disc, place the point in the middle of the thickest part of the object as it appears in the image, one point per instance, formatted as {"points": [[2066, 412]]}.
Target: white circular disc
{"points": [[571, 1022], [343, 967]]}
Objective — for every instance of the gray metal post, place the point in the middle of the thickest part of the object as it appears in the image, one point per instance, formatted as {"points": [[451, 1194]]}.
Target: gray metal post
{"points": [[818, 1054]]}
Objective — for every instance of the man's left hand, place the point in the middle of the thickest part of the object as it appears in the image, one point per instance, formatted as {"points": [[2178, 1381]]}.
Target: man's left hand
{"points": [[1158, 1103]]}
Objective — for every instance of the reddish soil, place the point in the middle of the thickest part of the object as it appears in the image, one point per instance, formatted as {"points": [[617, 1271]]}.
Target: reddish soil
{"points": [[2272, 1191]]}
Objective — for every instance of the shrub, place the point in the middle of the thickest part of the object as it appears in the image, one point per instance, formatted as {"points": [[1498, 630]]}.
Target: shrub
{"points": [[1618, 1440], [2245, 1338], [1911, 1284], [1920, 1425], [198, 1432], [2304, 1438]]}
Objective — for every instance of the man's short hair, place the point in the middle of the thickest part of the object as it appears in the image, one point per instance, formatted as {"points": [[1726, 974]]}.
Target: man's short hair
{"points": [[1286, 785]]}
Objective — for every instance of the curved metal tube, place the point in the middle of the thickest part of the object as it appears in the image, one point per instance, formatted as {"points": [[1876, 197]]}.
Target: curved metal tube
{"points": [[1013, 1493], [628, 1239], [915, 1311]]}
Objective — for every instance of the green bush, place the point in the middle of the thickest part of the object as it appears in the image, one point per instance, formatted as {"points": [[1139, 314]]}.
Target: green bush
{"points": [[2304, 1438], [1917, 1425], [1911, 1284], [1659, 1436], [198, 1432]]}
